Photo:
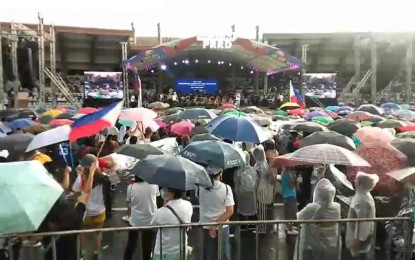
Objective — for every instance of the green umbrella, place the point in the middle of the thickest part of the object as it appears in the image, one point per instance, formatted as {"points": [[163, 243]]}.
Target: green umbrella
{"points": [[391, 123], [126, 123], [323, 120], [27, 193], [235, 113], [280, 113]]}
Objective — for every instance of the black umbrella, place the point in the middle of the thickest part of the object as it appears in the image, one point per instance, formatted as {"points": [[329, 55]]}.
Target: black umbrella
{"points": [[138, 151], [172, 172], [198, 130], [374, 110], [65, 116], [45, 119], [16, 144], [173, 110], [344, 127], [309, 127], [328, 138], [407, 147]]}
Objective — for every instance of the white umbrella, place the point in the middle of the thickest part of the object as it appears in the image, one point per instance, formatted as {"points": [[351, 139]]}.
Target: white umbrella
{"points": [[54, 136]]}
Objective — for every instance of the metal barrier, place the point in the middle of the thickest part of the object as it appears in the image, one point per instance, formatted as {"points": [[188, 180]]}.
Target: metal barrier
{"points": [[55, 236]]}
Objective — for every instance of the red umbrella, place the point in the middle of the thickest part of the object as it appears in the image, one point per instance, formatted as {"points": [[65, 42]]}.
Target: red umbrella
{"points": [[182, 128], [87, 110], [296, 112], [360, 116], [383, 158], [160, 122], [60, 122], [407, 128]]}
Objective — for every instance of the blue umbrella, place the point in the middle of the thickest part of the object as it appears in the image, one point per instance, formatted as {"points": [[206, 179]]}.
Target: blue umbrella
{"points": [[172, 172], [390, 106], [4, 128], [21, 123], [237, 129], [29, 193], [216, 153], [196, 114]]}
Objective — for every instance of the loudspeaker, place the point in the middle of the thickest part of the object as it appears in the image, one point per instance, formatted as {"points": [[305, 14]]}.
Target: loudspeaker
{"points": [[25, 67]]}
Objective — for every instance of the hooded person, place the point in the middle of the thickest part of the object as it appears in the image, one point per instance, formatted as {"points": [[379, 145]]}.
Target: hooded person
{"points": [[265, 190], [359, 236], [320, 241], [246, 179]]}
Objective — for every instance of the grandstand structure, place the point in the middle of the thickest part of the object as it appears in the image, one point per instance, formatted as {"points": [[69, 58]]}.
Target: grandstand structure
{"points": [[373, 63]]}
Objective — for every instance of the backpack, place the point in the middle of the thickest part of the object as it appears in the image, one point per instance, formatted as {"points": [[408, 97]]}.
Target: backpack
{"points": [[246, 180]]}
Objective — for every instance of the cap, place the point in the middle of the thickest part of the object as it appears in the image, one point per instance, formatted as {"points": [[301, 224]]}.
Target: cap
{"points": [[211, 170], [88, 160]]}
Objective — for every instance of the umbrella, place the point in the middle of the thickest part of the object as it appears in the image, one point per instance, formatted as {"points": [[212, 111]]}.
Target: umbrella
{"points": [[158, 105], [313, 114], [404, 175], [203, 137], [327, 154], [182, 128], [312, 109], [77, 116], [139, 151], [137, 114], [383, 158], [235, 113], [173, 110], [374, 110], [344, 112], [279, 118], [407, 147], [237, 129], [391, 123], [404, 114], [61, 122], [359, 116], [344, 108], [172, 172], [332, 108], [160, 122], [328, 138], [53, 136], [390, 106], [410, 134], [262, 120], [45, 119], [373, 134], [214, 153], [309, 127], [29, 193], [4, 128], [252, 109], [196, 114], [21, 123], [228, 106], [280, 113], [53, 113], [87, 110], [36, 129], [296, 112], [167, 144], [170, 119], [110, 131], [323, 120], [198, 130], [16, 144], [344, 127], [289, 105], [64, 116], [127, 123]]}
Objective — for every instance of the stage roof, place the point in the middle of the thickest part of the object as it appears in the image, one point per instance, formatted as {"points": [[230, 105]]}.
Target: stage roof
{"points": [[259, 56]]}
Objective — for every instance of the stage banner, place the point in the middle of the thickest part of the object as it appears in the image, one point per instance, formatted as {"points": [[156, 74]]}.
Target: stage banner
{"points": [[193, 86], [320, 85]]}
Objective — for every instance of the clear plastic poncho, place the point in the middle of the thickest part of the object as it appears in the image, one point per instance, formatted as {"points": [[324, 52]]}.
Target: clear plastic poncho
{"points": [[320, 241], [359, 236], [265, 186]]}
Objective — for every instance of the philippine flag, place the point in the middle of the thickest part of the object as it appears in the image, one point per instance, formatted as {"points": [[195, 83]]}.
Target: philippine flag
{"points": [[96, 122], [295, 96]]}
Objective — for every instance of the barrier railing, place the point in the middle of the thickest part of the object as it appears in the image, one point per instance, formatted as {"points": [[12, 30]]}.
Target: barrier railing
{"points": [[51, 248]]}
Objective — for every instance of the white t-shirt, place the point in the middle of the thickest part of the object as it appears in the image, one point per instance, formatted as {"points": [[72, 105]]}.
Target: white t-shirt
{"points": [[142, 197], [213, 202], [95, 205], [171, 236]]}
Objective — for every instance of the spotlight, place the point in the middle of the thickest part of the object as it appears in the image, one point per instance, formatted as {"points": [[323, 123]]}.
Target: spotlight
{"points": [[163, 67], [242, 67], [252, 72], [183, 61], [230, 64], [175, 63], [208, 61], [196, 61], [186, 62], [152, 71]]}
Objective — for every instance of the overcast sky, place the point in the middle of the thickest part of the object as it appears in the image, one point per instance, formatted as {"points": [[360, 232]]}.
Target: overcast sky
{"points": [[181, 18]]}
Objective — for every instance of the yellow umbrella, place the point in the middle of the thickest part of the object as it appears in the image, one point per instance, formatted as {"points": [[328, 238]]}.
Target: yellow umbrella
{"points": [[53, 113], [289, 105]]}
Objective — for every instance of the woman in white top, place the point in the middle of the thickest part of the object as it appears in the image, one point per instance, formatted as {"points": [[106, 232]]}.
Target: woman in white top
{"points": [[173, 240], [141, 199]]}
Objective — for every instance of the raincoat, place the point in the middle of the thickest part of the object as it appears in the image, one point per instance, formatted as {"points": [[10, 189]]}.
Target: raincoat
{"points": [[359, 236], [265, 186], [246, 199], [320, 241]]}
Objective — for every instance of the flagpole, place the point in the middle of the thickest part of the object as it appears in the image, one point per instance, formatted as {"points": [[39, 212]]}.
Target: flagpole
{"points": [[137, 85]]}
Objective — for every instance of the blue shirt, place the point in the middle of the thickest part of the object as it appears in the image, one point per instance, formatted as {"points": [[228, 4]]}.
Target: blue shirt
{"points": [[286, 190]]}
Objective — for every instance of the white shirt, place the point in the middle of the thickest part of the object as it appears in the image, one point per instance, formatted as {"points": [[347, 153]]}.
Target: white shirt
{"points": [[171, 236], [95, 205], [142, 197], [213, 202]]}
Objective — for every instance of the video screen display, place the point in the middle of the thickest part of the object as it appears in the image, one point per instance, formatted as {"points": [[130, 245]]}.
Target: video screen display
{"points": [[194, 86], [320, 85], [103, 85]]}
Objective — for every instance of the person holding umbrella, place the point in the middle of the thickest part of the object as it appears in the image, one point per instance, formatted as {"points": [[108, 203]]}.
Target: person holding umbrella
{"points": [[216, 205]]}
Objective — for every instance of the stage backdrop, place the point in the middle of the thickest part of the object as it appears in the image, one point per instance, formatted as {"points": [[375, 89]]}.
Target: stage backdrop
{"points": [[189, 86]]}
